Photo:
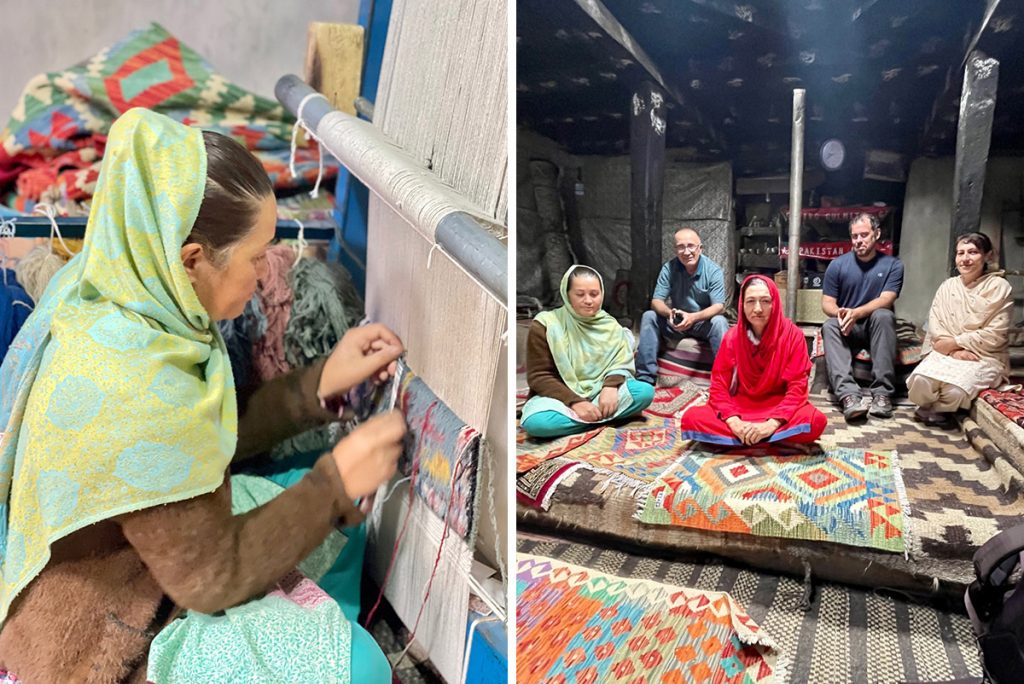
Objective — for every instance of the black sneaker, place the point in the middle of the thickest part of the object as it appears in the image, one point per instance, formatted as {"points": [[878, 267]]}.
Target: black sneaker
{"points": [[881, 406], [854, 407]]}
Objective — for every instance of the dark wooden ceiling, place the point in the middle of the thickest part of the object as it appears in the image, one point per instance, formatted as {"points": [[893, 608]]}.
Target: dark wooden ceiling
{"points": [[879, 74]]}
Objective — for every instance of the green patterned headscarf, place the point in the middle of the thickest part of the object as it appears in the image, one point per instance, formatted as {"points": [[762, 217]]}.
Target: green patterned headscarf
{"points": [[586, 349], [117, 394]]}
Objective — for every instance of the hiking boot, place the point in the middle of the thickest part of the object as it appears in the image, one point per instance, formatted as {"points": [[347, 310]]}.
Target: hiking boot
{"points": [[881, 406], [854, 406]]}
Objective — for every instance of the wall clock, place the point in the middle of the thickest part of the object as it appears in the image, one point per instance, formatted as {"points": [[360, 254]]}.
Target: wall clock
{"points": [[833, 154]]}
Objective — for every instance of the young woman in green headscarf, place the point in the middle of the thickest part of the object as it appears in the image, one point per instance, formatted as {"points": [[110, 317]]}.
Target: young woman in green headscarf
{"points": [[579, 363], [120, 419]]}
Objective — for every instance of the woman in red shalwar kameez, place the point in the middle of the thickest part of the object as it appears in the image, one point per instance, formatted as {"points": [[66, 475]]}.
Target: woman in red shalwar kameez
{"points": [[759, 379]]}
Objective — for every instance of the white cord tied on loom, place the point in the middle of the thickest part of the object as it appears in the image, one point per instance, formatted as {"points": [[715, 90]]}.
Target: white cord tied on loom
{"points": [[302, 244], [6, 231], [312, 136]]}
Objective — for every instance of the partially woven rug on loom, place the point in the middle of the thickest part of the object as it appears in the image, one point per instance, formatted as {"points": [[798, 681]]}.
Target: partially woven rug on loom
{"points": [[446, 454], [575, 624], [847, 635], [847, 496]]}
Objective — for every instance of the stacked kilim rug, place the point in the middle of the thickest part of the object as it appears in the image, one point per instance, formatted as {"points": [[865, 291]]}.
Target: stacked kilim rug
{"points": [[577, 624], [846, 636]]}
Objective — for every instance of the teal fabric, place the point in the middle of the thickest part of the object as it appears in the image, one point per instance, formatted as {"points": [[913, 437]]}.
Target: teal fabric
{"points": [[296, 636], [557, 424], [369, 664], [342, 580], [186, 642]]}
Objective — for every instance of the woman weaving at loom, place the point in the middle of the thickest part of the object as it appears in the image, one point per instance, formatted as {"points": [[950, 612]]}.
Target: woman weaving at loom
{"points": [[120, 421], [759, 379], [579, 363], [966, 343]]}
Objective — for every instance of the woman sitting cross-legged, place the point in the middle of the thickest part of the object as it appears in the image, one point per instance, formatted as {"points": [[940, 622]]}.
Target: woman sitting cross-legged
{"points": [[579, 363], [968, 328], [759, 379]]}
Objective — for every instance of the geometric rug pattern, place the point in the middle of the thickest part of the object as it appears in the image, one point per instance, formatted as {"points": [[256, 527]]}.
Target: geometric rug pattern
{"points": [[846, 636], [961, 492], [847, 496], [635, 454], [532, 451], [670, 401], [576, 624], [960, 495]]}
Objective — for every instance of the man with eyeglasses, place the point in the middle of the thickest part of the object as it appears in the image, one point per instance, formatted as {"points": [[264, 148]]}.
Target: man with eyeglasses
{"points": [[696, 287]]}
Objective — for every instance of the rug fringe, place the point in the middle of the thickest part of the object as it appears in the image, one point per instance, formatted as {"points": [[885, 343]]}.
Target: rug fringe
{"points": [[640, 502], [781, 672], [901, 495], [617, 480]]}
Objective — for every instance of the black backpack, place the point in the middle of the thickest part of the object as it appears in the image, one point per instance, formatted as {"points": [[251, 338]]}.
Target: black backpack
{"points": [[995, 605]]}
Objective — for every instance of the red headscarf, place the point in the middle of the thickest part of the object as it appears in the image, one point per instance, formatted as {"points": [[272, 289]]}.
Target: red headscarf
{"points": [[782, 348]]}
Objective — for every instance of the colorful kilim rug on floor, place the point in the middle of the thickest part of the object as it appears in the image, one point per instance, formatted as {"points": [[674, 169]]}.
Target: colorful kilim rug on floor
{"points": [[958, 496], [670, 401], [848, 496], [848, 636], [531, 451], [635, 454], [576, 624]]}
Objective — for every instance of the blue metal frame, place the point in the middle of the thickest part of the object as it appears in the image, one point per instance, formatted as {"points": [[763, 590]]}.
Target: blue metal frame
{"points": [[74, 227], [352, 199]]}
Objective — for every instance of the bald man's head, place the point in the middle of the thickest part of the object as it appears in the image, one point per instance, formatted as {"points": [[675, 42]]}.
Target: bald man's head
{"points": [[687, 235], [688, 248]]}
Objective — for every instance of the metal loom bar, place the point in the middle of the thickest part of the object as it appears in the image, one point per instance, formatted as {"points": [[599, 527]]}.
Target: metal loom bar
{"points": [[459, 233]]}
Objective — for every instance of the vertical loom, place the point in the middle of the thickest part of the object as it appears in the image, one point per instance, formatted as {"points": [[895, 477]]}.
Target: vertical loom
{"points": [[435, 160]]}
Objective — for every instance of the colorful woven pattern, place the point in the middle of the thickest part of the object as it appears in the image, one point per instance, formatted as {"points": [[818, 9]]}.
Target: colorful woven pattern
{"points": [[531, 452], [536, 486], [670, 401], [847, 496], [1010, 404], [57, 133], [636, 454], [446, 452], [689, 361], [578, 625]]}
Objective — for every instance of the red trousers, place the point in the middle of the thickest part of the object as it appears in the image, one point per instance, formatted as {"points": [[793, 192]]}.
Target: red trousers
{"points": [[703, 424]]}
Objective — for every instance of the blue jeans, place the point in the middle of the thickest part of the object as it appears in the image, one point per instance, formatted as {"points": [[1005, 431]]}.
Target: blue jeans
{"points": [[555, 424], [653, 328]]}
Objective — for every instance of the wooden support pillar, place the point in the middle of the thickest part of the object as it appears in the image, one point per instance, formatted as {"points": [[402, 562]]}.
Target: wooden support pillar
{"points": [[974, 133], [796, 188], [647, 172]]}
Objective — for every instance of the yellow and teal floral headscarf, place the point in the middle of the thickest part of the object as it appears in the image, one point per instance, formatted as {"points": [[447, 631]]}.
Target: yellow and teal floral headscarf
{"points": [[117, 393], [586, 349]]}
